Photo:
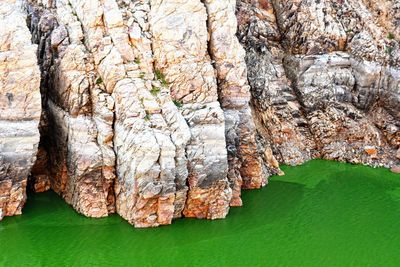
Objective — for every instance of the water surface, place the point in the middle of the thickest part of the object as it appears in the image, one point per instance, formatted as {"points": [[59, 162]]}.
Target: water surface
{"points": [[320, 214]]}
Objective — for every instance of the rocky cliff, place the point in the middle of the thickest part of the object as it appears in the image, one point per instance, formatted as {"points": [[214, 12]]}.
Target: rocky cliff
{"points": [[20, 107], [162, 109], [325, 78]]}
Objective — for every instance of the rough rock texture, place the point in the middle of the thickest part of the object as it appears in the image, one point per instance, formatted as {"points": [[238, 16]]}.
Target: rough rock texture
{"points": [[77, 124], [158, 109], [245, 167], [19, 107], [324, 77], [145, 108]]}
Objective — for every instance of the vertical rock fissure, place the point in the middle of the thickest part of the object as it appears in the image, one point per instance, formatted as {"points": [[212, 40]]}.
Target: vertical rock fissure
{"points": [[286, 138], [179, 38], [181, 174], [245, 168]]}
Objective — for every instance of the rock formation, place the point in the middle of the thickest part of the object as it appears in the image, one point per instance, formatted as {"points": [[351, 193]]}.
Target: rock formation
{"points": [[146, 108], [325, 78], [161, 109], [19, 107]]}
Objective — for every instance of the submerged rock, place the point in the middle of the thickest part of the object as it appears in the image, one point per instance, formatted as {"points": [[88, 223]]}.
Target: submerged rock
{"points": [[395, 169]]}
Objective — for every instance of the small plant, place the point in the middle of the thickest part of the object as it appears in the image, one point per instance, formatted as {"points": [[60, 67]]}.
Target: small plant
{"points": [[389, 50], [137, 60], [390, 36], [178, 103], [99, 81], [155, 90], [147, 117], [141, 75], [158, 74], [161, 77]]}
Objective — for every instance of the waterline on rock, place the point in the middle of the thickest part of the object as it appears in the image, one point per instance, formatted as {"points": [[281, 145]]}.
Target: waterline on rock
{"points": [[319, 214]]}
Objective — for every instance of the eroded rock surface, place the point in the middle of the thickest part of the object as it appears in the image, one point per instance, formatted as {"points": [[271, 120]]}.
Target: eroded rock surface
{"points": [[324, 77], [146, 108], [19, 107], [161, 109], [245, 167]]}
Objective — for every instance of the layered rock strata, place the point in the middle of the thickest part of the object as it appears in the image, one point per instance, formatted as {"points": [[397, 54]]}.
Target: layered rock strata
{"points": [[20, 107], [324, 77]]}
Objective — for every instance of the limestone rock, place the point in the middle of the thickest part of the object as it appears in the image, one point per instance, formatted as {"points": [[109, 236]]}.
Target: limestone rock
{"points": [[77, 124], [133, 119], [323, 85], [245, 169], [20, 107], [161, 109]]}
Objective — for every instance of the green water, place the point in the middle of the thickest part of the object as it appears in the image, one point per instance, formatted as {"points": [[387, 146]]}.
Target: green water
{"points": [[320, 214]]}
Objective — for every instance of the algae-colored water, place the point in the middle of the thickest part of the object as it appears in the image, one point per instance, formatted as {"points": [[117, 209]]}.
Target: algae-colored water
{"points": [[320, 214]]}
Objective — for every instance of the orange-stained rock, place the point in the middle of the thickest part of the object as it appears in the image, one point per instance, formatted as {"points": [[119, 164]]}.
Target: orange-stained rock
{"points": [[245, 167], [20, 106], [370, 150], [208, 203]]}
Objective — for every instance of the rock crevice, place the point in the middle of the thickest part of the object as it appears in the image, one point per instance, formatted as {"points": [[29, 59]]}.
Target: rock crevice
{"points": [[324, 79], [132, 117], [157, 110]]}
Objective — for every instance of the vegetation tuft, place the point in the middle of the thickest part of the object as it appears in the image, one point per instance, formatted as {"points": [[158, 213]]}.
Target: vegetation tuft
{"points": [[389, 50], [161, 77], [155, 90], [99, 81], [178, 103], [147, 117]]}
